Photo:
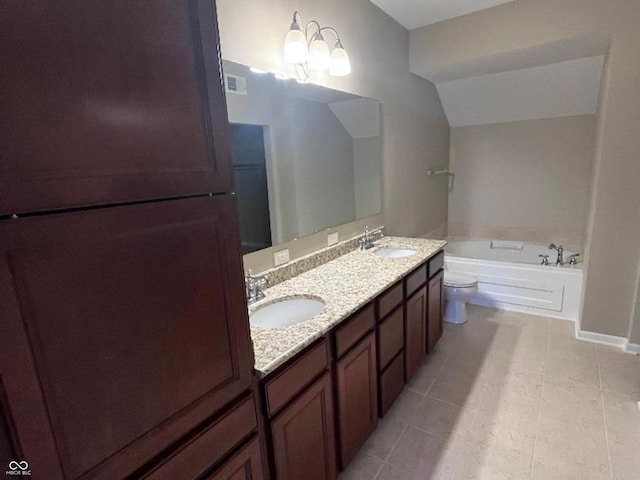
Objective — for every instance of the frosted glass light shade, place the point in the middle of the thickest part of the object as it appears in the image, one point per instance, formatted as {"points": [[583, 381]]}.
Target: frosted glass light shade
{"points": [[295, 46], [340, 64], [319, 56]]}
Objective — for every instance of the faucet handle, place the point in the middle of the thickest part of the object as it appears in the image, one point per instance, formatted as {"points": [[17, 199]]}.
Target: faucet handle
{"points": [[545, 259], [573, 258]]}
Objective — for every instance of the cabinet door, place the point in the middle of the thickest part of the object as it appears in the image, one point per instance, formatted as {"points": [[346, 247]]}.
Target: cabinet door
{"points": [[436, 292], [244, 465], [123, 329], [303, 435], [108, 102], [357, 384], [415, 331]]}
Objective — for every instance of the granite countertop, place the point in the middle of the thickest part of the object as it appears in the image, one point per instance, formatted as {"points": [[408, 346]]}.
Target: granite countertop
{"points": [[345, 285]]}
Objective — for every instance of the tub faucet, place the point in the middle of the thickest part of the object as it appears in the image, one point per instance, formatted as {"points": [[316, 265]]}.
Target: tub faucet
{"points": [[560, 249]]}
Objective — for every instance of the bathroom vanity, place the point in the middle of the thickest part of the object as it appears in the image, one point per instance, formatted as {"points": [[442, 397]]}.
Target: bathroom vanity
{"points": [[324, 383]]}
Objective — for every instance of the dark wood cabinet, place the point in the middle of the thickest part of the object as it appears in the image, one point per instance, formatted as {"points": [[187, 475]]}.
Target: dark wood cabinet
{"points": [[244, 465], [436, 305], [303, 435], [123, 330], [415, 331], [357, 393], [110, 102]]}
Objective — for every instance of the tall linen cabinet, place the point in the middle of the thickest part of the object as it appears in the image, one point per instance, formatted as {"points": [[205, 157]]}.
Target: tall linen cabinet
{"points": [[124, 347]]}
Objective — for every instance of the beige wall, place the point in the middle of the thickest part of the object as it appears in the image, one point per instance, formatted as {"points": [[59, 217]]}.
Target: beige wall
{"points": [[415, 129], [526, 180], [534, 30]]}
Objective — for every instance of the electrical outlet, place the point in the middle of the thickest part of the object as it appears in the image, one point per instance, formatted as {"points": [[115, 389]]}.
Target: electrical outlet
{"points": [[332, 238], [281, 257]]}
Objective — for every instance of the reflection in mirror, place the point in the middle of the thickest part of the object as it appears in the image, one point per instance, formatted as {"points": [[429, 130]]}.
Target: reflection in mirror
{"points": [[305, 157]]}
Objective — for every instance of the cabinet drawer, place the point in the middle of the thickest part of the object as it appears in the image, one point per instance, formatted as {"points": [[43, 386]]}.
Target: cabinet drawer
{"points": [[436, 263], [354, 329], [390, 337], [294, 378], [244, 465], [391, 384], [416, 279], [209, 446], [389, 300]]}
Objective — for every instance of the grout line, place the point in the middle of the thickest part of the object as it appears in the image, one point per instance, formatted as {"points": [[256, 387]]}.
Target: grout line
{"points": [[395, 444], [544, 374], [604, 415]]}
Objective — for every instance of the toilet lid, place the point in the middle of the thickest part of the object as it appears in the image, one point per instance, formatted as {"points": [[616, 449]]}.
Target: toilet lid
{"points": [[452, 279]]}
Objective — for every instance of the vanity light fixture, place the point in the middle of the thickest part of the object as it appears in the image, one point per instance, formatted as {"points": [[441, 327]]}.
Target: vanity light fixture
{"points": [[309, 51]]}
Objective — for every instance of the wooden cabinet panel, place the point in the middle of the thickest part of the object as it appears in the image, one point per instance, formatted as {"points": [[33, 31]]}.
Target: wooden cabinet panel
{"points": [[436, 303], [390, 300], [415, 332], [352, 330], [287, 384], [110, 102], [391, 383], [436, 263], [357, 391], [244, 465], [303, 435], [390, 337], [123, 329], [416, 279], [202, 451]]}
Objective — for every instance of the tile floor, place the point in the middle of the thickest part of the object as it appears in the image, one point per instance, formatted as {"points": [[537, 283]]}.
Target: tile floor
{"points": [[511, 396]]}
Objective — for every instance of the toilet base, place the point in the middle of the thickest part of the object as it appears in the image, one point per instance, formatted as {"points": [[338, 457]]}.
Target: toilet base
{"points": [[455, 312]]}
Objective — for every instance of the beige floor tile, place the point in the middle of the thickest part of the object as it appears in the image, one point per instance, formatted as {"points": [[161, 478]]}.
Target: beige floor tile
{"points": [[622, 415], [566, 472], [562, 328], [622, 418], [567, 347], [620, 372], [508, 424], [582, 449], [382, 440], [420, 453], [390, 472], [428, 372], [625, 459], [405, 406], [441, 418], [559, 369], [363, 467], [493, 461], [566, 403], [458, 385]]}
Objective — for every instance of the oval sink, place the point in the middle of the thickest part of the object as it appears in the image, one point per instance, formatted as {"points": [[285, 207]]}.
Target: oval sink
{"points": [[286, 312], [394, 252]]}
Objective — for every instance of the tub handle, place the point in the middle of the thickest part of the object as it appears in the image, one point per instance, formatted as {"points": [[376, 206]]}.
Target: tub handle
{"points": [[545, 259], [573, 259]]}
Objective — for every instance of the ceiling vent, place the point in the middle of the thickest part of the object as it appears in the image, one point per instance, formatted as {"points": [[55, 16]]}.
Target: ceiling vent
{"points": [[235, 84]]}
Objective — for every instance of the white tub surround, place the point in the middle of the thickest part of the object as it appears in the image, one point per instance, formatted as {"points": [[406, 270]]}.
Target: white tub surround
{"points": [[514, 279]]}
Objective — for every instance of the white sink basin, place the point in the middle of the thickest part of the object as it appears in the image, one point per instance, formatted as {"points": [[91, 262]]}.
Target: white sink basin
{"points": [[394, 252], [286, 312]]}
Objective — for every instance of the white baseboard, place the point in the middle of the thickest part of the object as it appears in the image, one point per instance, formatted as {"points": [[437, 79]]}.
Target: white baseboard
{"points": [[632, 348], [604, 339]]}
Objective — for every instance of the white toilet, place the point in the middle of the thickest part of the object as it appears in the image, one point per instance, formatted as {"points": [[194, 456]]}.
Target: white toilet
{"points": [[458, 289]]}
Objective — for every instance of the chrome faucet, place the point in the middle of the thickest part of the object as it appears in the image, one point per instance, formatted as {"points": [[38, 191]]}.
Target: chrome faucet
{"points": [[366, 242], [560, 249], [254, 286]]}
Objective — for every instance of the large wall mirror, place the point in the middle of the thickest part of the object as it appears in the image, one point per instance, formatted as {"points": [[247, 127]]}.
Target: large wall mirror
{"points": [[305, 157]]}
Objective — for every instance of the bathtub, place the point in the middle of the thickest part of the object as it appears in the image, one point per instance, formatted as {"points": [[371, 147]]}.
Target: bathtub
{"points": [[511, 277]]}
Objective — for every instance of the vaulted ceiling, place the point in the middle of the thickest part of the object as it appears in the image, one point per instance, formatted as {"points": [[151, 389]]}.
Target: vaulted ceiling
{"points": [[417, 13]]}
